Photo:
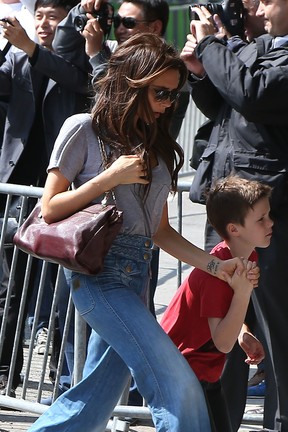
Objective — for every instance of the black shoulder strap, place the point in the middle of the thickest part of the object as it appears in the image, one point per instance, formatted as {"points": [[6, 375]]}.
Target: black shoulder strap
{"points": [[4, 52]]}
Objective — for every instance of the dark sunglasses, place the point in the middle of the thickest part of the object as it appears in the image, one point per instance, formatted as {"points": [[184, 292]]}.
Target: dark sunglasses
{"points": [[162, 95], [127, 22]]}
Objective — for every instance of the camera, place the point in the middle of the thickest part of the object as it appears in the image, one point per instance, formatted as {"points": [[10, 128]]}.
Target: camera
{"points": [[6, 20], [104, 16], [231, 13]]}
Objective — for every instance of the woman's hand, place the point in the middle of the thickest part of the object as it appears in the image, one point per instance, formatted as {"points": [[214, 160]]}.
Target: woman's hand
{"points": [[127, 170], [225, 269]]}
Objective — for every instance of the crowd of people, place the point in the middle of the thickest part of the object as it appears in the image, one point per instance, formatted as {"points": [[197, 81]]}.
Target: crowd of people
{"points": [[64, 93]]}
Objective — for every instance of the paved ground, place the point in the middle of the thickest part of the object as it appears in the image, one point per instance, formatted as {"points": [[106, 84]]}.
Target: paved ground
{"points": [[193, 224]]}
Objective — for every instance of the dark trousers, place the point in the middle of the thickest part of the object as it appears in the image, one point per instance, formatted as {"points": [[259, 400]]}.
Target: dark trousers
{"points": [[217, 407], [270, 301]]}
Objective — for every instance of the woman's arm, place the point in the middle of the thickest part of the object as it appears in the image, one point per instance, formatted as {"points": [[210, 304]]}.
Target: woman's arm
{"points": [[173, 243], [58, 202]]}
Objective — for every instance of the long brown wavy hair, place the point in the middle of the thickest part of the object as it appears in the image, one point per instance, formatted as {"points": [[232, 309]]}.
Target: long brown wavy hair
{"points": [[123, 92]]}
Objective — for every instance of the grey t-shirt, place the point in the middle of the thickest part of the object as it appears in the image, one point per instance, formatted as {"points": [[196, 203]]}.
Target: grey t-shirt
{"points": [[77, 155]]}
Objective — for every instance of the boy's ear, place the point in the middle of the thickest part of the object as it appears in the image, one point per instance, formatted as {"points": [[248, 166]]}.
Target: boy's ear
{"points": [[232, 230]]}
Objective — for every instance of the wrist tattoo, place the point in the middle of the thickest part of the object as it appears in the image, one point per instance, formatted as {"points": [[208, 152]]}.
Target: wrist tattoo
{"points": [[212, 266]]}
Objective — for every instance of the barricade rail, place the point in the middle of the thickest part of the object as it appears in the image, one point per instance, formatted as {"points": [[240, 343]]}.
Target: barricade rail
{"points": [[36, 383]]}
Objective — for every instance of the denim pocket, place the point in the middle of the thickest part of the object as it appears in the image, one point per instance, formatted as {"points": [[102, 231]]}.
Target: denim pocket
{"points": [[129, 271]]}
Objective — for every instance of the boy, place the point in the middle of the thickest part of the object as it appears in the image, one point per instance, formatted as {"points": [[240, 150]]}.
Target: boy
{"points": [[205, 317]]}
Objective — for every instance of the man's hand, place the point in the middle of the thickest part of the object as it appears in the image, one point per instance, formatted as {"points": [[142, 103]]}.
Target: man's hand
{"points": [[189, 58], [94, 36], [203, 27], [90, 5], [17, 36]]}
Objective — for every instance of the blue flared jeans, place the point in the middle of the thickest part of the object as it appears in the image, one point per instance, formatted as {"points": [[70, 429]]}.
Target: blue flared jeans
{"points": [[126, 340]]}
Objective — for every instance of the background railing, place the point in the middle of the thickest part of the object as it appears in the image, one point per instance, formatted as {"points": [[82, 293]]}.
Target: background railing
{"points": [[36, 383]]}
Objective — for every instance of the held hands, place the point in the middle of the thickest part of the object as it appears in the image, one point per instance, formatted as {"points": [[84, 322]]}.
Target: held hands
{"points": [[226, 270], [128, 169], [240, 282], [17, 36]]}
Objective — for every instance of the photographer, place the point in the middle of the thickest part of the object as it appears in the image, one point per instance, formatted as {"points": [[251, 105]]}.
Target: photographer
{"points": [[245, 95], [91, 47], [235, 375]]}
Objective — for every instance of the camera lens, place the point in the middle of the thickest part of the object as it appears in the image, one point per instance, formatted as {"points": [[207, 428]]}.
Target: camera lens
{"points": [[80, 22]]}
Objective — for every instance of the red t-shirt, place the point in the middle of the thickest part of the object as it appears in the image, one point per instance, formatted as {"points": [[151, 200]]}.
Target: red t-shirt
{"points": [[201, 296]]}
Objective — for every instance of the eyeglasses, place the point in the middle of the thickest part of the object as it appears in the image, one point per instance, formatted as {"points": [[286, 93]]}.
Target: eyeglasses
{"points": [[128, 22], [162, 95]]}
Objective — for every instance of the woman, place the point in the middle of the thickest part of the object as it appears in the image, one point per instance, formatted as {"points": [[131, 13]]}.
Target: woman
{"points": [[131, 117]]}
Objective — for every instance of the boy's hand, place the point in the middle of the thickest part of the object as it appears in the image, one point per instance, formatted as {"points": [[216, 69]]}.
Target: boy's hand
{"points": [[252, 347], [240, 283], [253, 273]]}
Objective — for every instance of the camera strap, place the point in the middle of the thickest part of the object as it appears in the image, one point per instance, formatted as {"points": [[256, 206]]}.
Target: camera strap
{"points": [[4, 51]]}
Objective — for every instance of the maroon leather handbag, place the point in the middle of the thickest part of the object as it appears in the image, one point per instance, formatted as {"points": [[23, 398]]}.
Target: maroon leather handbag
{"points": [[79, 242]]}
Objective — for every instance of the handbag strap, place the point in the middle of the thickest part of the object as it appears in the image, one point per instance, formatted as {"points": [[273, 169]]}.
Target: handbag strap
{"points": [[105, 164]]}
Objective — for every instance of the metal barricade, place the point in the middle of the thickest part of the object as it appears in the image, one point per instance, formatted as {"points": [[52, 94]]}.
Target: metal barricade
{"points": [[36, 383]]}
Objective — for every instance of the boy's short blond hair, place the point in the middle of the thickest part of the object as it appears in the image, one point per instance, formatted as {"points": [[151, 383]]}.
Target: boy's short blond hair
{"points": [[230, 199]]}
